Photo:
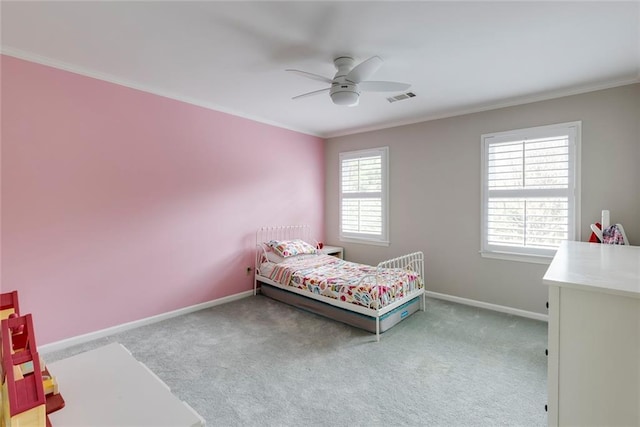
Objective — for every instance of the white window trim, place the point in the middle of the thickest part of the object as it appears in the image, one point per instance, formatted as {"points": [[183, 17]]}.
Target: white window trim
{"points": [[575, 162], [383, 240]]}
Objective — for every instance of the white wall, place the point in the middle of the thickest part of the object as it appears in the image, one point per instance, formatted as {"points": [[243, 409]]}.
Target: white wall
{"points": [[435, 190]]}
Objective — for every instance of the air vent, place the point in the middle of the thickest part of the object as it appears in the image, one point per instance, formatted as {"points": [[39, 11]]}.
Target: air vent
{"points": [[401, 97]]}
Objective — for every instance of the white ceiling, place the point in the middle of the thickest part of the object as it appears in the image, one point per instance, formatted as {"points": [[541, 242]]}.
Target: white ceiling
{"points": [[231, 56]]}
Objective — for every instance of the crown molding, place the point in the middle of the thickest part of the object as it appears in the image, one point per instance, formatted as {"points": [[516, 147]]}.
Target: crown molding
{"points": [[512, 102], [49, 62]]}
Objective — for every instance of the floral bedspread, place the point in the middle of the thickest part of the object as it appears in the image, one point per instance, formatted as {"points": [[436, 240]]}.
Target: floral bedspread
{"points": [[346, 281]]}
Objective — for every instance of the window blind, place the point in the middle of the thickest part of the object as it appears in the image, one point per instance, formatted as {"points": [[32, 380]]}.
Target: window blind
{"points": [[362, 194], [529, 183], [536, 164], [523, 208]]}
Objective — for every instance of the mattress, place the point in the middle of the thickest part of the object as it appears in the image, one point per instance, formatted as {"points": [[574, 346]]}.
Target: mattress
{"points": [[345, 281]]}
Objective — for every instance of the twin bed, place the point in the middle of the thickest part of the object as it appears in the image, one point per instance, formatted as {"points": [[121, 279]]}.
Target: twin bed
{"points": [[290, 269]]}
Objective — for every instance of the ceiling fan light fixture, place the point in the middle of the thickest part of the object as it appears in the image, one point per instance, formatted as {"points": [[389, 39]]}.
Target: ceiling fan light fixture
{"points": [[349, 98], [345, 93]]}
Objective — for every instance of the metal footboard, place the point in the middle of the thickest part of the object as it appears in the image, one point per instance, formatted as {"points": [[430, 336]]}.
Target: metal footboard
{"points": [[411, 262]]}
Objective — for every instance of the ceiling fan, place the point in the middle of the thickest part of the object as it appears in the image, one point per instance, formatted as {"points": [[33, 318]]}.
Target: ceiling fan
{"points": [[349, 81]]}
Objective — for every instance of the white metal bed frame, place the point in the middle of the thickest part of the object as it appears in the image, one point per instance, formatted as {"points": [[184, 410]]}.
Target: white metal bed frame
{"points": [[413, 261]]}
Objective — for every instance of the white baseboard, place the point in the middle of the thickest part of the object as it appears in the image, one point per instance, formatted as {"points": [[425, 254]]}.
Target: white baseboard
{"points": [[489, 306], [80, 339]]}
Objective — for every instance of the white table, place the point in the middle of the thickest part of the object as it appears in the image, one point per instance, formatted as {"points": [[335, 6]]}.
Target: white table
{"points": [[109, 387], [336, 251], [594, 335]]}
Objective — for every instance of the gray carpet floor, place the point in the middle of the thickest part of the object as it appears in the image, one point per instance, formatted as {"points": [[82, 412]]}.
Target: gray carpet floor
{"points": [[260, 362]]}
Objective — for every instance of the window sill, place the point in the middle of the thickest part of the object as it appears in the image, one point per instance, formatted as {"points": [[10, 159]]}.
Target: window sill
{"points": [[509, 256], [364, 241]]}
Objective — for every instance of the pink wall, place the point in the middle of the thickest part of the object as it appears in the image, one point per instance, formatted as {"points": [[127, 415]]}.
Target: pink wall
{"points": [[118, 204]]}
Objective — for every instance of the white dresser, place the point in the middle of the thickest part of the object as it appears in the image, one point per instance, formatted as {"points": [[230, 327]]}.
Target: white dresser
{"points": [[594, 335]]}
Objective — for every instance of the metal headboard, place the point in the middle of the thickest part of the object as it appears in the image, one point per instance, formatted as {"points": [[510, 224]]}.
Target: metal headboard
{"points": [[284, 232]]}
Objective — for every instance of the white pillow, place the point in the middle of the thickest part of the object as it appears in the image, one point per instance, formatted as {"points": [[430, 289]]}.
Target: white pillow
{"points": [[274, 257], [288, 248]]}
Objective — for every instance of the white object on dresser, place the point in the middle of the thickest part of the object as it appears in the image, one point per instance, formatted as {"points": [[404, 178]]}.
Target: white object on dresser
{"points": [[336, 251], [109, 387], [594, 335]]}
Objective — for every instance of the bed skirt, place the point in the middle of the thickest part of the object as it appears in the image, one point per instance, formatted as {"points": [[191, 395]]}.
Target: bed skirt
{"points": [[387, 321]]}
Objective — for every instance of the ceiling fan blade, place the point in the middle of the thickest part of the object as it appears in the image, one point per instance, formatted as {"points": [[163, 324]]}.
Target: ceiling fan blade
{"points": [[315, 92], [365, 69], [370, 86], [310, 76]]}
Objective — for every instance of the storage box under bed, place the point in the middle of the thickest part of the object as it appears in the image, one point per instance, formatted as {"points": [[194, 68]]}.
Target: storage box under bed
{"points": [[368, 323]]}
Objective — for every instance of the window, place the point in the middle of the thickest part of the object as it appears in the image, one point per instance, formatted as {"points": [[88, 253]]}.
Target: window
{"points": [[363, 196], [530, 191]]}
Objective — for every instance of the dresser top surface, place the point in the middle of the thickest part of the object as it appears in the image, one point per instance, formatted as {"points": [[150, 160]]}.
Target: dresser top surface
{"points": [[597, 267]]}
